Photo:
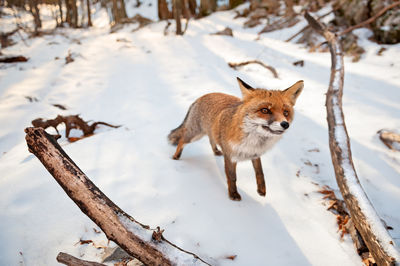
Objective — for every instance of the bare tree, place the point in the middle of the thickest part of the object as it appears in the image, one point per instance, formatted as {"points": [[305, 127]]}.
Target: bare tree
{"points": [[88, 7], [34, 9], [60, 12], [163, 11], [205, 8], [177, 15], [118, 11]]}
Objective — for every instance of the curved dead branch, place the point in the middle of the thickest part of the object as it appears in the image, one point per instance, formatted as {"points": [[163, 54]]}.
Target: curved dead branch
{"points": [[138, 240], [363, 214], [71, 122], [270, 68]]}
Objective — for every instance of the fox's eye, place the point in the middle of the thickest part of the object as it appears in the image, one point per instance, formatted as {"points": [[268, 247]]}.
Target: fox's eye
{"points": [[286, 113], [266, 111]]}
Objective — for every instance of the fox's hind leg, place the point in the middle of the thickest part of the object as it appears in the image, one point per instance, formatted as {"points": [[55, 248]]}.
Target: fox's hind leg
{"points": [[214, 147], [181, 144]]}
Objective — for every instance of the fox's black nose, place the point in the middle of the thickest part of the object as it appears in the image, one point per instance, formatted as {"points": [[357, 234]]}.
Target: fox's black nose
{"points": [[285, 124]]}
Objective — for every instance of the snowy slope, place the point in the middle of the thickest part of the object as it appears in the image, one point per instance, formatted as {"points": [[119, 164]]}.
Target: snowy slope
{"points": [[145, 81]]}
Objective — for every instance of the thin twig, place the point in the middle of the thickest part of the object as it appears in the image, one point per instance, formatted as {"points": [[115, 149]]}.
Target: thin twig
{"points": [[270, 68]]}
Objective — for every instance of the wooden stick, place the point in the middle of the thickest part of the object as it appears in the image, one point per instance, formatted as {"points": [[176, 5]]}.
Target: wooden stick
{"points": [[363, 214], [69, 260], [298, 33], [133, 237], [371, 19], [306, 27], [270, 68], [388, 138]]}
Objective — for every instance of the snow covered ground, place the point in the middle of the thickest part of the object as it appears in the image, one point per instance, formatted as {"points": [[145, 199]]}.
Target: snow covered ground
{"points": [[145, 81]]}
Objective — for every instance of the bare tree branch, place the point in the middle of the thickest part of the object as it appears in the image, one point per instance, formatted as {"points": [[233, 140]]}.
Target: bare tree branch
{"points": [[371, 19], [363, 214]]}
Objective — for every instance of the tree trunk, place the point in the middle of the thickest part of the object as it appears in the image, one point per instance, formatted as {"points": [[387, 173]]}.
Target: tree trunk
{"points": [[74, 14], [68, 11], [122, 9], [193, 7], [235, 3], [61, 12], [213, 5], [163, 11], [33, 4], [205, 8], [363, 214], [177, 15], [147, 245], [89, 15], [118, 11]]}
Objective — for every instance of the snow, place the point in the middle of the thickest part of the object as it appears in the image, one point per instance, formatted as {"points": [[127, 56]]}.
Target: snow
{"points": [[146, 83]]}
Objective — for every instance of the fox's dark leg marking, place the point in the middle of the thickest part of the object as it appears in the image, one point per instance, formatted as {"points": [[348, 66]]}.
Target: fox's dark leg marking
{"points": [[259, 176], [181, 144], [214, 147], [230, 171]]}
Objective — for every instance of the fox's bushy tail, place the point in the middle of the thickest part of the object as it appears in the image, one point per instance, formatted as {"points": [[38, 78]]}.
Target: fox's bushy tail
{"points": [[176, 134]]}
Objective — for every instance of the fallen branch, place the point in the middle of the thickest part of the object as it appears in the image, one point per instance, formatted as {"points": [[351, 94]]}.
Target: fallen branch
{"points": [[270, 68], [389, 139], [71, 121], [135, 238], [13, 59], [227, 32], [371, 19], [69, 260], [363, 214]]}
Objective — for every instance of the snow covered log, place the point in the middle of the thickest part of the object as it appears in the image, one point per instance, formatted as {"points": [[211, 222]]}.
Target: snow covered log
{"points": [[138, 240], [363, 214]]}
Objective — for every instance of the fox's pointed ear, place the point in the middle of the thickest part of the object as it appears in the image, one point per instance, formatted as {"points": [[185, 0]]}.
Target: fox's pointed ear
{"points": [[244, 87], [294, 91]]}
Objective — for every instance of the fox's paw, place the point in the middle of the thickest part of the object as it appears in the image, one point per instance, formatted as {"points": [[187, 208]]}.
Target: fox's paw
{"points": [[176, 156], [235, 196], [261, 192]]}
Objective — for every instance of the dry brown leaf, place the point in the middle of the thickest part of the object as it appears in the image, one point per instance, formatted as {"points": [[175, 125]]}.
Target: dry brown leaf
{"points": [[232, 257]]}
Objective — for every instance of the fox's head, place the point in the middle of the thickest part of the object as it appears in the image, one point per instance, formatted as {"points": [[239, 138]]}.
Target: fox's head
{"points": [[268, 112]]}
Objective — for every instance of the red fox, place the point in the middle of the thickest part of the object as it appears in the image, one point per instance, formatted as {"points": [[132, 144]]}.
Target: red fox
{"points": [[243, 129]]}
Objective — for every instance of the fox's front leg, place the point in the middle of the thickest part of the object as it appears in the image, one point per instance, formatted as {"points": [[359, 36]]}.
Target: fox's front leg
{"points": [[259, 176], [230, 171]]}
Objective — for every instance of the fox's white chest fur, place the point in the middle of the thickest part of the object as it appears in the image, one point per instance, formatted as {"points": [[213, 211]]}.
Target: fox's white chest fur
{"points": [[256, 141]]}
